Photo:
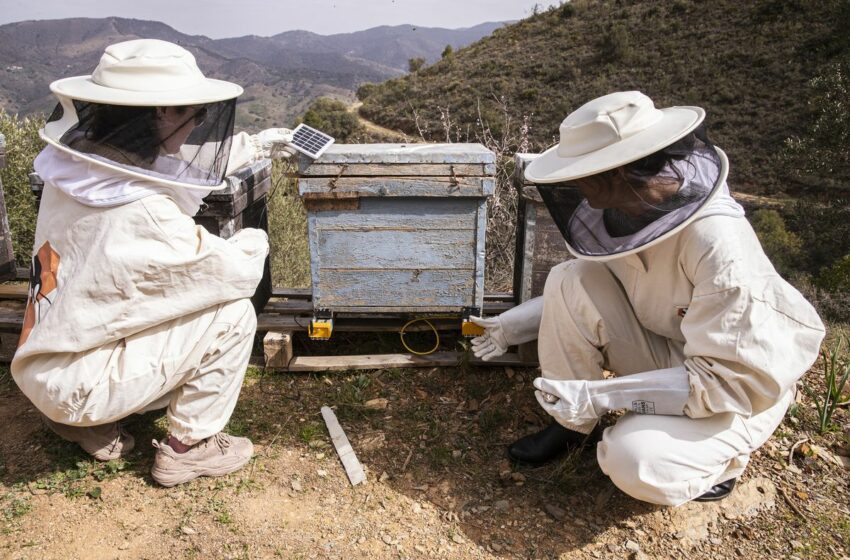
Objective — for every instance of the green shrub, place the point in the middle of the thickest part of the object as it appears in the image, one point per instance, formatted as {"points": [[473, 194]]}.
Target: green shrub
{"points": [[333, 117], [615, 45], [415, 64], [22, 145], [824, 230], [448, 51], [836, 278], [780, 245]]}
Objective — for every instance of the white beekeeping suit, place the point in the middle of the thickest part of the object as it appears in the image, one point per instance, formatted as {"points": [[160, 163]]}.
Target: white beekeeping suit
{"points": [[670, 290], [132, 306]]}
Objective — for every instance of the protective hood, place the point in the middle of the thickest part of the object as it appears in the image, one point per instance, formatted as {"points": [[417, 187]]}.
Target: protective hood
{"points": [[95, 185], [604, 234]]}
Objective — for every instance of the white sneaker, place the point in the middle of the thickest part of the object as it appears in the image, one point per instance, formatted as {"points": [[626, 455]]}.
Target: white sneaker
{"points": [[217, 455]]}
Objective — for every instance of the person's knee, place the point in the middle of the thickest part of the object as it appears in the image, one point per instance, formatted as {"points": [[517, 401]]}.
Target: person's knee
{"points": [[635, 462], [576, 276], [240, 314]]}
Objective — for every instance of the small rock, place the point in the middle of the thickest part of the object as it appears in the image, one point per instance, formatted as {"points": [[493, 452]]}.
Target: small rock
{"points": [[376, 404], [456, 454], [502, 505], [715, 541], [632, 546], [555, 511], [417, 508], [320, 456], [419, 548], [845, 462], [296, 485], [518, 477], [186, 530], [472, 405], [796, 544], [509, 371], [457, 539], [361, 540], [496, 547], [124, 546], [384, 477], [322, 473], [387, 539]]}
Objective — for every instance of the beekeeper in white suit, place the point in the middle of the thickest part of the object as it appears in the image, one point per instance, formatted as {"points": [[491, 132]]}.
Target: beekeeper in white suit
{"points": [[670, 290], [132, 306]]}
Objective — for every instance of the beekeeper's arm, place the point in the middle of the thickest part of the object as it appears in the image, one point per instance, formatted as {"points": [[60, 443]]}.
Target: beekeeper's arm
{"points": [[515, 326], [203, 268], [246, 149], [749, 337]]}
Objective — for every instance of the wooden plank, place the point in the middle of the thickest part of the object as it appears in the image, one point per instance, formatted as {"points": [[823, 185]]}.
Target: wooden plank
{"points": [[291, 323], [14, 291], [305, 307], [388, 361], [403, 214], [406, 154], [292, 293], [397, 186], [11, 315], [399, 170], [352, 466], [277, 349], [396, 250], [402, 289]]}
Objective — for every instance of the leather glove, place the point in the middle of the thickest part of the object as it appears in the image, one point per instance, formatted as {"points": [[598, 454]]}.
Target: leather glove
{"points": [[273, 143], [578, 404], [514, 326]]}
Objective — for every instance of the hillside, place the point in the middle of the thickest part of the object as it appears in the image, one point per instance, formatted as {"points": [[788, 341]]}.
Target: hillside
{"points": [[280, 74], [747, 63]]}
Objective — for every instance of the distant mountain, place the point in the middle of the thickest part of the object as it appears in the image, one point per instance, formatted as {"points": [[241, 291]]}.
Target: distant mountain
{"points": [[281, 74]]}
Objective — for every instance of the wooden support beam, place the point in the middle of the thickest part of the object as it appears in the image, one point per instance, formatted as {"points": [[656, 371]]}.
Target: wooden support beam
{"points": [[387, 361], [14, 291]]}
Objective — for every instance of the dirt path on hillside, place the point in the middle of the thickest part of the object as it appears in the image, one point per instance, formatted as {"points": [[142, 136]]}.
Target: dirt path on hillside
{"points": [[438, 485], [375, 128]]}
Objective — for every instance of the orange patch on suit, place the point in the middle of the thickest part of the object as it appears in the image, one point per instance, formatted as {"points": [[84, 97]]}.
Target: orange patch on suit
{"points": [[43, 272]]}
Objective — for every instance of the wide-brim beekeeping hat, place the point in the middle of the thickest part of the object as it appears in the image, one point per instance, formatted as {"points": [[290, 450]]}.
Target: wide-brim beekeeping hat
{"points": [[147, 111], [609, 132]]}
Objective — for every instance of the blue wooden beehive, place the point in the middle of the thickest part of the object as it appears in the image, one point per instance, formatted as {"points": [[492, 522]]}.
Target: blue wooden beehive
{"points": [[398, 227]]}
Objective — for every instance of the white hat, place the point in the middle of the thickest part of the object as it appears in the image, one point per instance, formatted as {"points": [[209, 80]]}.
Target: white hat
{"points": [[146, 72], [611, 131]]}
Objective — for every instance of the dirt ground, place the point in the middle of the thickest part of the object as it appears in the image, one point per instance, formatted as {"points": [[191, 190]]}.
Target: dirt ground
{"points": [[433, 445]]}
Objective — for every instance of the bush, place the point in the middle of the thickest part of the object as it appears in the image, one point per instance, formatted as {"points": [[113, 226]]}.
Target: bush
{"points": [[615, 46], [780, 245], [824, 230], [415, 64], [822, 156], [334, 118], [448, 51], [22, 145], [836, 278]]}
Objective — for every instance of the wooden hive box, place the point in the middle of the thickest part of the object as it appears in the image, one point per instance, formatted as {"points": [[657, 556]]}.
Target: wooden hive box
{"points": [[540, 244], [398, 227]]}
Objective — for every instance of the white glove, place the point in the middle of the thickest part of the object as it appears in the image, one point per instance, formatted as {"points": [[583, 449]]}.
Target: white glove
{"points": [[514, 326], [578, 404], [273, 143]]}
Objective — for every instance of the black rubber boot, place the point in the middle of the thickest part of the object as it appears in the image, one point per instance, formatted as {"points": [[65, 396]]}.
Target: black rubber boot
{"points": [[718, 491], [550, 442]]}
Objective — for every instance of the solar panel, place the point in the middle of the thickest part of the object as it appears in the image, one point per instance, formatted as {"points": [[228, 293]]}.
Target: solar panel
{"points": [[309, 141]]}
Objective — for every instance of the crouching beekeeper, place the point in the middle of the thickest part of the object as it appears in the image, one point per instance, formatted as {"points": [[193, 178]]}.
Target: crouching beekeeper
{"points": [[671, 291], [132, 307]]}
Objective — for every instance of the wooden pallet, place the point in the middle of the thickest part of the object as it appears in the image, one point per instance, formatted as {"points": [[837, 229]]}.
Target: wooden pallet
{"points": [[290, 311]]}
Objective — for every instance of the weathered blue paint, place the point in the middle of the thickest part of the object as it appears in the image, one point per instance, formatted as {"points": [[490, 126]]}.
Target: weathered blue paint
{"points": [[413, 243]]}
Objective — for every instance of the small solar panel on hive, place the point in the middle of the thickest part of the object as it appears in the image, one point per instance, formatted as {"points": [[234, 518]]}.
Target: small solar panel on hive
{"points": [[309, 141]]}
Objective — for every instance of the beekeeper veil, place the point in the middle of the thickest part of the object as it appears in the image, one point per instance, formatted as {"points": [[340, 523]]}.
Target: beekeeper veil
{"points": [[626, 175], [149, 112]]}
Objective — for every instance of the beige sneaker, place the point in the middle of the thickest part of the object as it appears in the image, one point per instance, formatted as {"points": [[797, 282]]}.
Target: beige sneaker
{"points": [[217, 455], [104, 442]]}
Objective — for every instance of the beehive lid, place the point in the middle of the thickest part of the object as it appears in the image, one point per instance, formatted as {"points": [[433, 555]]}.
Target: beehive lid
{"points": [[402, 154]]}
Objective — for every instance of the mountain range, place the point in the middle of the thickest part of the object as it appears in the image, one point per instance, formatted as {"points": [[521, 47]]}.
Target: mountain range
{"points": [[281, 74]]}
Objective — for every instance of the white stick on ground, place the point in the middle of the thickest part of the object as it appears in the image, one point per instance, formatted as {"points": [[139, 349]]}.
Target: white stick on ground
{"points": [[343, 448]]}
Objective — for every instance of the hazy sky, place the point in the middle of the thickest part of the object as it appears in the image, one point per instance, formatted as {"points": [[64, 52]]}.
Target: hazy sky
{"points": [[231, 18]]}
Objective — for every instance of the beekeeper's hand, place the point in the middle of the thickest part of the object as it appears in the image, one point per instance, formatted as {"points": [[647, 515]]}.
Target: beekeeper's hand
{"points": [[514, 326], [568, 402], [274, 143], [577, 402]]}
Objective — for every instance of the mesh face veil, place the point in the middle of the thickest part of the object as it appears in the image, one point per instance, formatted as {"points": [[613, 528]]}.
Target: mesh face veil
{"points": [[648, 207], [177, 145]]}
